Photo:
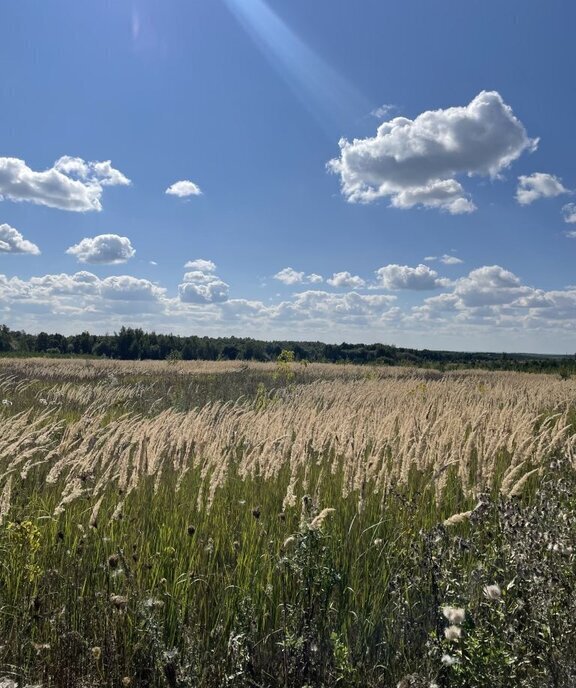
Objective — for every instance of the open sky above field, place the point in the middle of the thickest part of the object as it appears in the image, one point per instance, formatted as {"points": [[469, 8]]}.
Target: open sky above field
{"points": [[400, 172]]}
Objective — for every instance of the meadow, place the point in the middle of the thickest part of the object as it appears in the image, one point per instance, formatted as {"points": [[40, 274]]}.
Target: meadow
{"points": [[179, 524]]}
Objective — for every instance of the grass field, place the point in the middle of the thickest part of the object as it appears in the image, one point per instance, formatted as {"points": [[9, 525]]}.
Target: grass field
{"points": [[230, 524]]}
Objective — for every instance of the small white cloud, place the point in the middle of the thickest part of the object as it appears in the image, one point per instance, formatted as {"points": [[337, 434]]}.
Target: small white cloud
{"points": [[569, 213], [313, 278], [184, 189], [104, 249], [383, 111], [571, 234], [346, 279], [538, 185], [71, 184], [201, 264], [415, 162], [153, 262], [289, 276], [420, 278], [450, 260], [11, 241]]}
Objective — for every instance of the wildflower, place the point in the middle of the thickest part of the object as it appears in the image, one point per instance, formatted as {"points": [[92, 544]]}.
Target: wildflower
{"points": [[455, 615], [96, 652], [378, 542], [44, 402], [126, 681], [449, 660], [492, 592], [39, 647], [453, 633], [6, 402], [318, 521]]}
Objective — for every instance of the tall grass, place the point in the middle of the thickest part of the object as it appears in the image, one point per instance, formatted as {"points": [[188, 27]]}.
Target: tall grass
{"points": [[155, 536]]}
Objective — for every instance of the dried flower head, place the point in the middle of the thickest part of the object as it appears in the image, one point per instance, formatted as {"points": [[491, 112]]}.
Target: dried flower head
{"points": [[492, 592], [119, 601], [453, 633], [96, 652], [317, 522], [455, 615]]}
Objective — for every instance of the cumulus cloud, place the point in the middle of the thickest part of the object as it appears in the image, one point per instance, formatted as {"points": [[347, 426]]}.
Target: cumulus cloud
{"points": [[489, 285], [569, 213], [345, 279], [415, 162], [202, 287], [538, 185], [71, 184], [105, 249], [11, 241], [184, 189], [289, 276], [201, 264], [420, 278]]}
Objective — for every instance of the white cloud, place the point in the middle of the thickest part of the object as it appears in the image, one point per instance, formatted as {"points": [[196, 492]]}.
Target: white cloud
{"points": [[128, 288], [383, 111], [345, 279], [450, 260], [201, 264], [105, 249], [184, 189], [538, 185], [202, 287], [446, 259], [415, 162], [420, 278], [11, 241], [569, 213], [71, 184], [289, 276], [489, 285], [571, 234]]}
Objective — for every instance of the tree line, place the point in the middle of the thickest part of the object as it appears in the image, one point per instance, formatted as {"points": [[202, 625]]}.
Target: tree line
{"points": [[136, 344]]}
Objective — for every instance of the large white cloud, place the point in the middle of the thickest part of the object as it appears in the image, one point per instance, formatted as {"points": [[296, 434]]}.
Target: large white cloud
{"points": [[202, 287], [538, 185], [415, 162], [201, 264], [71, 184], [105, 249], [12, 241], [420, 278], [184, 189]]}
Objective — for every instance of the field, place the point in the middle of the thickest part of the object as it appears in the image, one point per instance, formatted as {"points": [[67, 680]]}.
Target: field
{"points": [[232, 524]]}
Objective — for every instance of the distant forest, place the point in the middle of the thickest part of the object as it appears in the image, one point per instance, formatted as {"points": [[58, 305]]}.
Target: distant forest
{"points": [[134, 344]]}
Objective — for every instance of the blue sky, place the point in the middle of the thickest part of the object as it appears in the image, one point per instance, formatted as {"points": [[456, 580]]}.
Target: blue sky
{"points": [[368, 171]]}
